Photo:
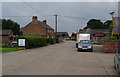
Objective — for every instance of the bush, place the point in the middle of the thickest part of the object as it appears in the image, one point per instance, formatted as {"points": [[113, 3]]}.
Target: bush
{"points": [[56, 40], [51, 40], [34, 41]]}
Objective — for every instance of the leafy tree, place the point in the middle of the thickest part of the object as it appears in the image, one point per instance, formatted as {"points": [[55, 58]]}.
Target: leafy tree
{"points": [[0, 24], [9, 24], [95, 24], [107, 24]]}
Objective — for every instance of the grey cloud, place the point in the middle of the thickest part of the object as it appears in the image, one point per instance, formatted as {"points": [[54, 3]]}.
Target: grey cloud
{"points": [[99, 10]]}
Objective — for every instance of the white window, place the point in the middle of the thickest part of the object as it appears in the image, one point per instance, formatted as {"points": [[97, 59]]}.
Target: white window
{"points": [[48, 31]]}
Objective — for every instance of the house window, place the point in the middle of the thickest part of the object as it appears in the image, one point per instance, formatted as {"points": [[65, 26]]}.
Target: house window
{"points": [[43, 35], [47, 36], [48, 31]]}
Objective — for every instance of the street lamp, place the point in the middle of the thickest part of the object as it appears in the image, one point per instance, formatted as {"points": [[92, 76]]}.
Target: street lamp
{"points": [[111, 13]]}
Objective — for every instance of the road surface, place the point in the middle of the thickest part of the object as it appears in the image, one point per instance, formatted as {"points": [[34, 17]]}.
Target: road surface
{"points": [[59, 59]]}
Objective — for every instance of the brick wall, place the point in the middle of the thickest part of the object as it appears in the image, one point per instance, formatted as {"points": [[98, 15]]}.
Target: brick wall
{"points": [[36, 28], [50, 33], [110, 46], [5, 39]]}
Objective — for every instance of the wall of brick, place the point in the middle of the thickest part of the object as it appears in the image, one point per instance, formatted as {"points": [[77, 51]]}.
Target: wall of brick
{"points": [[110, 46], [5, 39], [36, 28]]}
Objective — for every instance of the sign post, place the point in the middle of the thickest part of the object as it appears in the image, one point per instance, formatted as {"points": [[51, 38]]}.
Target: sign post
{"points": [[21, 42]]}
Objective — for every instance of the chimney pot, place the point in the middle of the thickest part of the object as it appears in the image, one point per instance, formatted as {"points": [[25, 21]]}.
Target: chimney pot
{"points": [[34, 18], [45, 21]]}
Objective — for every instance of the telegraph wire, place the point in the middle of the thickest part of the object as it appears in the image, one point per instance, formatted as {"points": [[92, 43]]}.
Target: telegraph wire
{"points": [[72, 17], [46, 16], [80, 18], [34, 9]]}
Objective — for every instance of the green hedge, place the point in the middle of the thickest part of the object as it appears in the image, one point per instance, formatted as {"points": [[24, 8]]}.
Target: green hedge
{"points": [[34, 41], [50, 40], [56, 40]]}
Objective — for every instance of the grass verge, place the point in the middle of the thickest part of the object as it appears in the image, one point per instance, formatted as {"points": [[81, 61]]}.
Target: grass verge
{"points": [[9, 49]]}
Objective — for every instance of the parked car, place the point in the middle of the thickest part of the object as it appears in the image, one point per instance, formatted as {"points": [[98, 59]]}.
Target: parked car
{"points": [[14, 44], [85, 45], [117, 61]]}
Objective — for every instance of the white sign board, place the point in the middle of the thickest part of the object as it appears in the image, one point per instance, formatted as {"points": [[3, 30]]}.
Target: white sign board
{"points": [[21, 42]]}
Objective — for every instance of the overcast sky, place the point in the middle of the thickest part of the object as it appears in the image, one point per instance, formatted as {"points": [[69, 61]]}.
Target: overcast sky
{"points": [[72, 16]]}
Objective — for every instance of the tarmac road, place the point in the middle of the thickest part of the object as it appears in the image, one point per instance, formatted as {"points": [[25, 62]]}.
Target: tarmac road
{"points": [[59, 59]]}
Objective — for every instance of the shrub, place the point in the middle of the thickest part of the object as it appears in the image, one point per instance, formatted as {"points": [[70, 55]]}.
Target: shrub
{"points": [[56, 40], [50, 40], [34, 41]]}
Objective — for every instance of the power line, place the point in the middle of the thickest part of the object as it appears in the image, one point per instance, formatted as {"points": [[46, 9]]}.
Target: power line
{"points": [[34, 9], [72, 17], [59, 16], [79, 18], [28, 16], [71, 22]]}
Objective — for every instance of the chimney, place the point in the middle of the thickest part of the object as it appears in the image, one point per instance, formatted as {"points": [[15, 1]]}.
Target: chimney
{"points": [[34, 18], [45, 21]]}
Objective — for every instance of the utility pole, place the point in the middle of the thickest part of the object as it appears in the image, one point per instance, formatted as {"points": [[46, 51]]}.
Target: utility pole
{"points": [[111, 13], [56, 26]]}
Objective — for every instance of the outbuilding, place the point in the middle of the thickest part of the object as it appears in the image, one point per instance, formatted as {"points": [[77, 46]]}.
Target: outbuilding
{"points": [[96, 35], [6, 36]]}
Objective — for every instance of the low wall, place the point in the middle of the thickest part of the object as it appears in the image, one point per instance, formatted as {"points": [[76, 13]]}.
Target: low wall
{"points": [[110, 46]]}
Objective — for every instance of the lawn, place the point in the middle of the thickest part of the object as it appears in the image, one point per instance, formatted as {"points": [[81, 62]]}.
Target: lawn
{"points": [[8, 49]]}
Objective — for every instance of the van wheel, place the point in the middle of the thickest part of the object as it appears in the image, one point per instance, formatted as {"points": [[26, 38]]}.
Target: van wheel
{"points": [[118, 70], [91, 50], [114, 66]]}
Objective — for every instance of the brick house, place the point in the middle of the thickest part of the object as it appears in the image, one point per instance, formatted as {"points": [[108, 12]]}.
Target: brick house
{"points": [[96, 35], [6, 36], [36, 27]]}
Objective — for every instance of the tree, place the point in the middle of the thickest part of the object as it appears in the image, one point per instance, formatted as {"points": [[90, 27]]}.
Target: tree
{"points": [[95, 24], [9, 24], [107, 24], [0, 24]]}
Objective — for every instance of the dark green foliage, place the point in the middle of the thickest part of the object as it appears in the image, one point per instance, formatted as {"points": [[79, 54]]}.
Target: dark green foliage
{"points": [[9, 24], [97, 24], [37, 41], [107, 24], [56, 40], [51, 40], [0, 24], [34, 41]]}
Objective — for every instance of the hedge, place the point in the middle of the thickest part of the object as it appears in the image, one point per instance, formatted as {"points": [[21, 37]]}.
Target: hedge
{"points": [[34, 41], [50, 40]]}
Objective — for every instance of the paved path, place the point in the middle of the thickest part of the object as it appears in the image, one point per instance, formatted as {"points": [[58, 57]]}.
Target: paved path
{"points": [[59, 59]]}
